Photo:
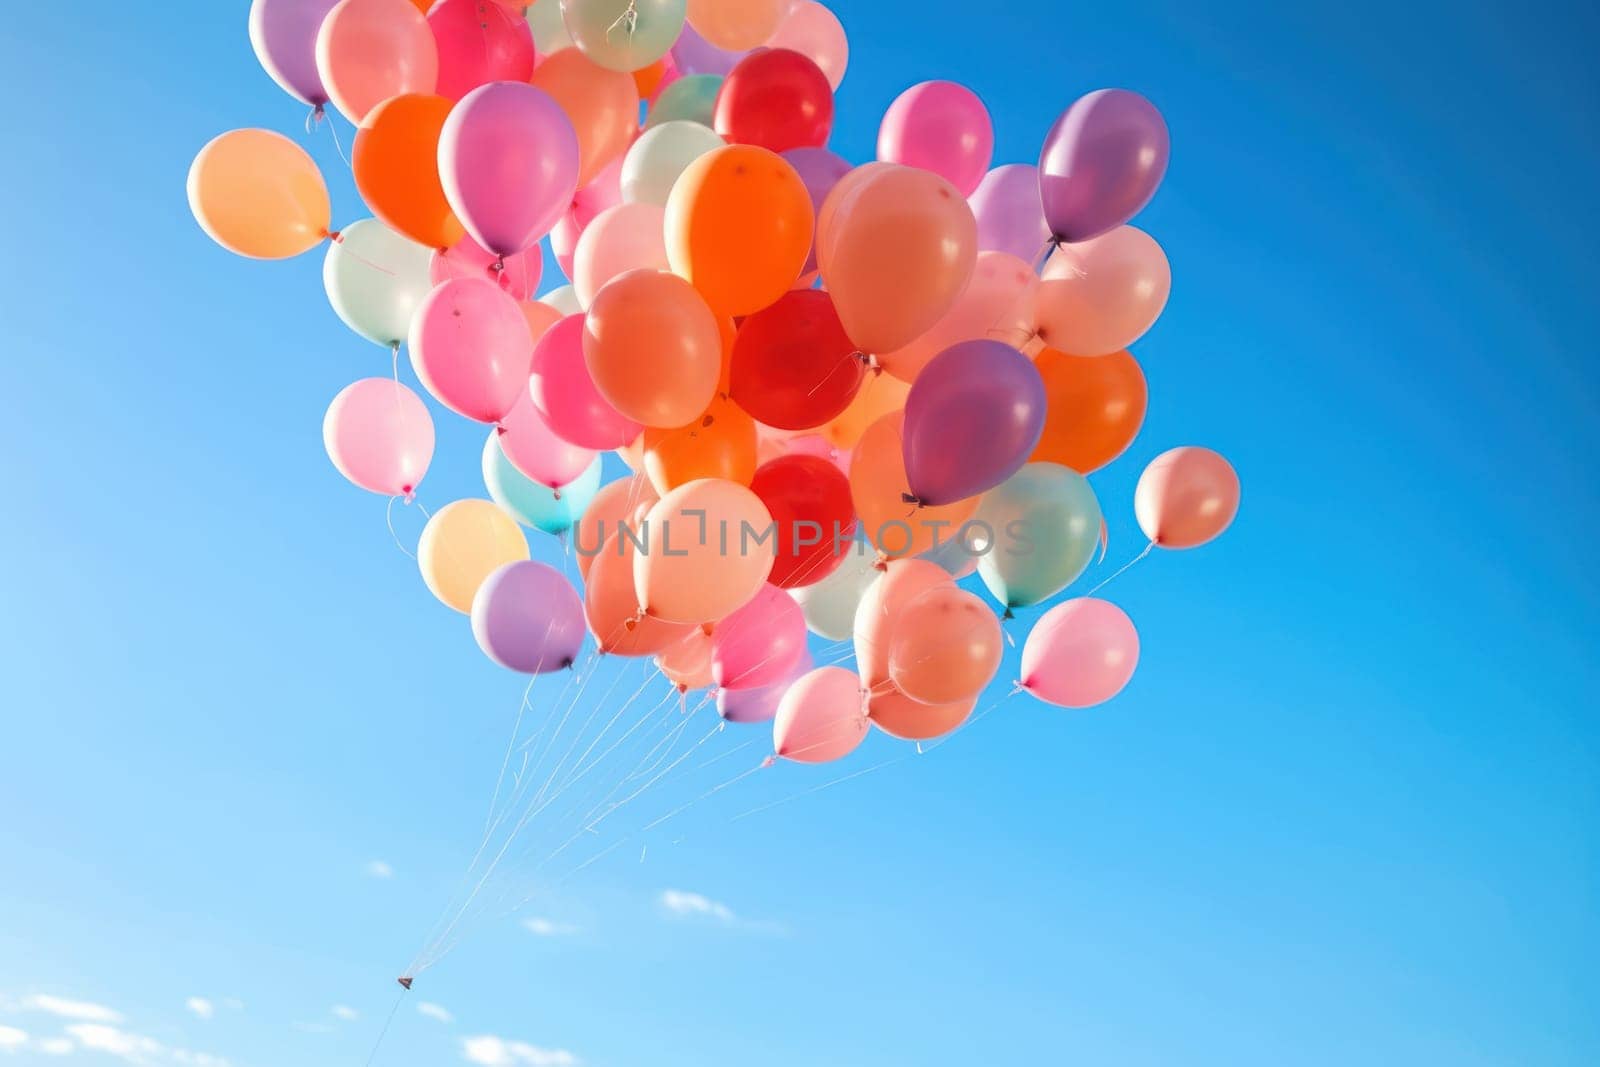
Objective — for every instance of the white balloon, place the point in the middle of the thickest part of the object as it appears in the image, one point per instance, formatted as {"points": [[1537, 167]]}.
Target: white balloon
{"points": [[564, 300], [829, 606], [375, 279], [660, 155], [549, 28]]}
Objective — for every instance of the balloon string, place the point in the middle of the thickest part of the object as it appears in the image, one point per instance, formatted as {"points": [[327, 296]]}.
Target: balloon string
{"points": [[628, 20], [386, 1023], [1122, 569], [388, 517], [333, 128]]}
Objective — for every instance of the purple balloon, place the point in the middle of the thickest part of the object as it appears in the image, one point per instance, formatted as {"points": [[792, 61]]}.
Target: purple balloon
{"points": [[973, 417], [284, 35], [527, 617], [1101, 164], [693, 54], [1010, 216], [759, 704], [819, 170]]}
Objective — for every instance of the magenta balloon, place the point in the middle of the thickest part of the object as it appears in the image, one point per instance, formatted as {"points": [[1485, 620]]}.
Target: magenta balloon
{"points": [[471, 348], [942, 127], [973, 417], [819, 170], [284, 36], [1101, 164], [508, 160], [379, 435], [566, 396], [518, 275], [760, 643], [527, 617], [1009, 213], [536, 450], [479, 42], [1080, 653], [761, 703]]}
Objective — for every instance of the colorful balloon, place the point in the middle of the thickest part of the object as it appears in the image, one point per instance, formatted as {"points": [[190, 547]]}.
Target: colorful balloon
{"points": [[793, 367], [470, 348], [549, 28], [379, 436], [761, 703], [821, 718], [693, 54], [612, 610], [736, 25], [942, 127], [536, 450], [691, 98], [946, 646], [902, 581], [660, 155], [720, 443], [371, 50], [603, 105], [819, 170], [653, 348], [257, 194], [809, 501], [517, 274], [566, 395], [1101, 163], [479, 43], [814, 32], [531, 503], [1045, 525], [1080, 653], [602, 193], [284, 36], [829, 605], [997, 304], [528, 618], [879, 395], [624, 35], [776, 99], [760, 643], [463, 543], [1096, 405], [1186, 497], [1102, 294], [911, 720], [879, 487], [376, 280], [623, 502], [687, 661], [620, 239], [395, 161], [702, 560], [1010, 217]]}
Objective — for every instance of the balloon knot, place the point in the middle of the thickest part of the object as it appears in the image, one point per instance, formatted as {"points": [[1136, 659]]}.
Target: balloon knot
{"points": [[1009, 614], [405, 982], [499, 429], [408, 493], [557, 492], [499, 265], [881, 563], [911, 498], [336, 237], [1017, 686], [769, 761], [568, 663]]}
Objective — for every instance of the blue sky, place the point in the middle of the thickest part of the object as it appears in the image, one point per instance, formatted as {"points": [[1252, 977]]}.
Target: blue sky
{"points": [[1347, 812]]}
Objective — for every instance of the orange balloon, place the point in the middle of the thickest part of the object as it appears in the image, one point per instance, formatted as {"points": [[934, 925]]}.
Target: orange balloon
{"points": [[422, 5], [738, 226], [896, 246], [687, 663], [602, 104], [736, 25], [721, 443], [1096, 405], [612, 611], [879, 395], [257, 194], [710, 551], [653, 348], [396, 166], [996, 305], [648, 79], [370, 50], [911, 720], [902, 582], [878, 486], [625, 501], [946, 647]]}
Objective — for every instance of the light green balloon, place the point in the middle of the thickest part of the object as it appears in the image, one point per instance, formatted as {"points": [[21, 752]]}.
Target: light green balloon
{"points": [[1046, 524], [691, 98], [564, 298], [549, 30], [375, 279], [829, 605], [551, 510], [624, 35], [660, 155]]}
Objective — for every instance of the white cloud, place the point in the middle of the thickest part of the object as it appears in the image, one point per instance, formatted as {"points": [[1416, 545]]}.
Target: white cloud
{"points": [[436, 1012], [63, 1008], [55, 1046], [345, 1012], [486, 1050], [547, 928], [12, 1039], [135, 1048], [681, 903], [379, 869], [201, 1007]]}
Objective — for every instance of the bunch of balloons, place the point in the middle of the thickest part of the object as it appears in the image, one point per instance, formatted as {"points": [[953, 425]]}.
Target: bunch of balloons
{"points": [[841, 387]]}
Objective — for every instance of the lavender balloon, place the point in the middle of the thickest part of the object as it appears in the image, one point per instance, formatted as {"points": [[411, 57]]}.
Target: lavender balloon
{"points": [[819, 170], [1101, 164], [973, 417], [1010, 217], [693, 54], [284, 36], [761, 703], [527, 617]]}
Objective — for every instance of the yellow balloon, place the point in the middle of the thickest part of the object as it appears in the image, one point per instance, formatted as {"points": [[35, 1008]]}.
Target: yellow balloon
{"points": [[258, 194], [464, 543]]}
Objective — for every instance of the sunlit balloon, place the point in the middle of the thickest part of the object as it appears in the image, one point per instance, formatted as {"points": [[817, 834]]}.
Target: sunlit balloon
{"points": [[1046, 525], [1080, 653], [375, 280], [623, 35], [527, 617], [1186, 497], [463, 543], [1103, 294], [371, 50], [379, 435], [257, 194], [703, 561], [821, 718]]}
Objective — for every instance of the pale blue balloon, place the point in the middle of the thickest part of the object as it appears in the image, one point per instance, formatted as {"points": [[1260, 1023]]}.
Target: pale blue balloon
{"points": [[692, 97], [551, 510], [1046, 524]]}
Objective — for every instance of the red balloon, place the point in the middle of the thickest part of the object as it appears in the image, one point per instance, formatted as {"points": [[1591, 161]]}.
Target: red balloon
{"points": [[774, 98], [809, 500], [792, 367]]}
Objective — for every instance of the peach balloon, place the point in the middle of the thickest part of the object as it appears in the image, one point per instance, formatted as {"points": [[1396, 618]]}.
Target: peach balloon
{"points": [[602, 104], [896, 247], [540, 317], [632, 454], [1096, 405], [721, 443], [738, 227], [911, 720], [997, 304], [879, 395], [736, 25], [687, 661], [622, 238], [1080, 653], [821, 718], [879, 488], [625, 501], [946, 646], [371, 50], [1186, 497], [903, 581], [653, 348], [612, 611], [464, 542], [1102, 294], [703, 560], [257, 194], [814, 32]]}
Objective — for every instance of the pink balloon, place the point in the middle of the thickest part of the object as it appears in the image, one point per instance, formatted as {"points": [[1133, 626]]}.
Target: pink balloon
{"points": [[379, 435], [622, 238], [471, 348], [508, 160], [1186, 497], [822, 717], [605, 191], [760, 643], [946, 647], [814, 32], [1080, 653], [902, 582], [535, 450], [997, 305], [479, 43], [518, 275], [761, 703], [566, 396], [1101, 295], [942, 127]]}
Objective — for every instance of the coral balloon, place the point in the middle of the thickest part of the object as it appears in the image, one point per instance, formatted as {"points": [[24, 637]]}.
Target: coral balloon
{"points": [[809, 500], [973, 417], [942, 127], [659, 157], [623, 35], [1096, 405], [738, 227], [379, 436], [376, 280], [776, 99], [464, 542], [880, 395], [829, 605], [536, 450], [470, 348], [532, 503], [396, 166], [479, 43], [257, 194], [653, 348], [997, 304], [1010, 217], [911, 720], [371, 50], [687, 661], [736, 25], [793, 367], [903, 581], [896, 247], [1103, 294], [814, 32], [1186, 497], [760, 643], [721, 443], [612, 611], [1046, 525], [620, 239], [1080, 653], [566, 395], [602, 104], [528, 618], [703, 559], [820, 170], [879, 487], [946, 646], [821, 718], [623, 502], [517, 274], [284, 36], [1102, 162]]}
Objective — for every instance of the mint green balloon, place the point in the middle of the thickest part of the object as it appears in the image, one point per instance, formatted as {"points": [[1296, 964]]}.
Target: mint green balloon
{"points": [[654, 161], [549, 31], [624, 35], [551, 510], [1046, 524], [375, 279], [691, 98]]}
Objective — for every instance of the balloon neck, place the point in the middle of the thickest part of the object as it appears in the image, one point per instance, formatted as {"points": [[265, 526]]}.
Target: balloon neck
{"points": [[408, 493], [769, 761], [557, 493], [1008, 614], [568, 663], [499, 429], [336, 237], [912, 499], [881, 563], [869, 361], [1017, 686], [499, 266]]}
